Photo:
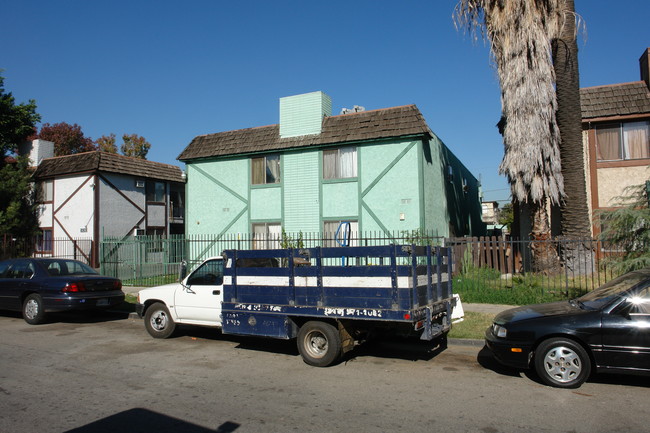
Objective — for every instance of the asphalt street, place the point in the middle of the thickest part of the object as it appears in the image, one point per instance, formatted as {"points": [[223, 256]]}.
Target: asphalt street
{"points": [[104, 373]]}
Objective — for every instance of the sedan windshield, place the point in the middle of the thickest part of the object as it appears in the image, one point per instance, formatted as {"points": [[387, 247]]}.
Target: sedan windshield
{"points": [[613, 289]]}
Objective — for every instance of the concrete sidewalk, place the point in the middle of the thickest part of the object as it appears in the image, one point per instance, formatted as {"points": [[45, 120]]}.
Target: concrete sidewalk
{"points": [[487, 308]]}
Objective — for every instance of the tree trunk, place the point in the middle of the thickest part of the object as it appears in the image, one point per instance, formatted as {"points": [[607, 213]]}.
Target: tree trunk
{"points": [[574, 210], [544, 254]]}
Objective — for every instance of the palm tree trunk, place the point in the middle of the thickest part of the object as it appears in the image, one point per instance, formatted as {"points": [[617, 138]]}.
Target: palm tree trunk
{"points": [[574, 209]]}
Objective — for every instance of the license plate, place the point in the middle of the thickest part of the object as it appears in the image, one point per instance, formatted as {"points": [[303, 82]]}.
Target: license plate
{"points": [[102, 302]]}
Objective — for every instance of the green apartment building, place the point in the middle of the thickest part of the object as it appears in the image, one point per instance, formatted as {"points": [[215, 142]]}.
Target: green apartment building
{"points": [[384, 171]]}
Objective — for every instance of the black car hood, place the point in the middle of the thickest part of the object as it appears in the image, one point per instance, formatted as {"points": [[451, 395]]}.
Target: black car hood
{"points": [[538, 310]]}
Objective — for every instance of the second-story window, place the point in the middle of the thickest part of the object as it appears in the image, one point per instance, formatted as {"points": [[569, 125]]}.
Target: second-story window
{"points": [[627, 140], [265, 170], [155, 192], [47, 191], [340, 163]]}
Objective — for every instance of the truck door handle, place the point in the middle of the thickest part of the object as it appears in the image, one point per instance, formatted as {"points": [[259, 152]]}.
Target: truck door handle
{"points": [[216, 292]]}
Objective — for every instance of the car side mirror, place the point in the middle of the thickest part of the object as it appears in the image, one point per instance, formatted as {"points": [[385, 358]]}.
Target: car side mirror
{"points": [[182, 270]]}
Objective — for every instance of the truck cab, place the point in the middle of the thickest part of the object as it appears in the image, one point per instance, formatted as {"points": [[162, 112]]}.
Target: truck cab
{"points": [[195, 300]]}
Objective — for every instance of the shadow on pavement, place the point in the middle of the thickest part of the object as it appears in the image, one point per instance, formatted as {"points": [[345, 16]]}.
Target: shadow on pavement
{"points": [[143, 420], [487, 360], [397, 348]]}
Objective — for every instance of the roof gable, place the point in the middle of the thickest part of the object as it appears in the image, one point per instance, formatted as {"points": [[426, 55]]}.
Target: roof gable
{"points": [[347, 128], [107, 162]]}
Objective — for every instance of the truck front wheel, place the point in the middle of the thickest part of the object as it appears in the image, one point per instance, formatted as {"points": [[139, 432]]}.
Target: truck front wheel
{"points": [[319, 343], [158, 321]]}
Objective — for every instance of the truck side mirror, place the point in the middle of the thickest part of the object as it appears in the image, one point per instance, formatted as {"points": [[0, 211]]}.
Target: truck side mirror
{"points": [[182, 270]]}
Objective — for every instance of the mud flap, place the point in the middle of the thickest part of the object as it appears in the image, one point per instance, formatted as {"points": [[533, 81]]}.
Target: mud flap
{"points": [[457, 312], [347, 342], [432, 330]]}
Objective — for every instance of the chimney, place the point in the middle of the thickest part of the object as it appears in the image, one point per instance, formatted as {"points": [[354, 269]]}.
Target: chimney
{"points": [[644, 63], [37, 150], [303, 114]]}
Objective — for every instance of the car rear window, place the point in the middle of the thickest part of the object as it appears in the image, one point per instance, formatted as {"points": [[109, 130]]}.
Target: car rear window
{"points": [[68, 267]]}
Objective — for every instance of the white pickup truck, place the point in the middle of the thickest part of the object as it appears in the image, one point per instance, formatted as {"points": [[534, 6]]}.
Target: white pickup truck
{"points": [[327, 298], [194, 301]]}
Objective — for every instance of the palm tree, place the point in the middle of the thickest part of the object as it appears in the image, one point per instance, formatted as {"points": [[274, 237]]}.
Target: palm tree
{"points": [[575, 212], [520, 34]]}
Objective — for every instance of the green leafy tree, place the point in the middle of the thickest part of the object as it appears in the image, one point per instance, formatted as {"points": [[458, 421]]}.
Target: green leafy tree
{"points": [[68, 139], [17, 208], [17, 122], [628, 228], [17, 205], [506, 215], [106, 143], [135, 145]]}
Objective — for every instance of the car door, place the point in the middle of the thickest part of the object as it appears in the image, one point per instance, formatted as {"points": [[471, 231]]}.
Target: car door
{"points": [[626, 332], [19, 279], [199, 300], [5, 285]]}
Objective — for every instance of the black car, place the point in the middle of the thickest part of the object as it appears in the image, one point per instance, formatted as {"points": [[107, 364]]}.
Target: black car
{"points": [[39, 286], [606, 330]]}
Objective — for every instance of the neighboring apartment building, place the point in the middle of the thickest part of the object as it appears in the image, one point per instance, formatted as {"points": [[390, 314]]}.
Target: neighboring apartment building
{"points": [[382, 171], [95, 194], [616, 131]]}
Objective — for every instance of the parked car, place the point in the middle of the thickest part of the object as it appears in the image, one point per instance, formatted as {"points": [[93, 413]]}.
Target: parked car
{"points": [[606, 330], [37, 286]]}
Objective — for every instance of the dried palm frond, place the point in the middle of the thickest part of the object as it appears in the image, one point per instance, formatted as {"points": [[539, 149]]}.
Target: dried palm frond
{"points": [[520, 34]]}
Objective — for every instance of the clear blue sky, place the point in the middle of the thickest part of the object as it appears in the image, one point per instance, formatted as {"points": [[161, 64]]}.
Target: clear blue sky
{"points": [[171, 70]]}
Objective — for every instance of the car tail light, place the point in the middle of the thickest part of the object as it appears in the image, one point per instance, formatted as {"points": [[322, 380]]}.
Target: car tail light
{"points": [[117, 285], [74, 287]]}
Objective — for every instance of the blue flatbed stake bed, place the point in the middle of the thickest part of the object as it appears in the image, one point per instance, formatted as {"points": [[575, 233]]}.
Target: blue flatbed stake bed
{"points": [[326, 298]]}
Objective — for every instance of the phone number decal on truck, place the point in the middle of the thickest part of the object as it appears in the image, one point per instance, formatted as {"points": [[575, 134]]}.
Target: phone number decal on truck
{"points": [[258, 307], [352, 312]]}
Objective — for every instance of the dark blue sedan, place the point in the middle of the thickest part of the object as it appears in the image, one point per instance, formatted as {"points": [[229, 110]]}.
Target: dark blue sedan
{"points": [[43, 285]]}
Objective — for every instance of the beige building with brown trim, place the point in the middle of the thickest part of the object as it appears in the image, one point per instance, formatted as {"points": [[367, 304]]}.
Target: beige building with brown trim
{"points": [[616, 132]]}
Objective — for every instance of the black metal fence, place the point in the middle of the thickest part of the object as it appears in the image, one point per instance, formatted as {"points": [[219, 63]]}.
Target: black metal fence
{"points": [[486, 267], [510, 271], [77, 249]]}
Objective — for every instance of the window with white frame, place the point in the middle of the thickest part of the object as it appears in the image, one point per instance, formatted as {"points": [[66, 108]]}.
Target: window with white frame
{"points": [[340, 163], [266, 236], [620, 141], [265, 170]]}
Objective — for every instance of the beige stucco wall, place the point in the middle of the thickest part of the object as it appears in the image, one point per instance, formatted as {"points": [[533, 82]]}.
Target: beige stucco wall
{"points": [[613, 181]]}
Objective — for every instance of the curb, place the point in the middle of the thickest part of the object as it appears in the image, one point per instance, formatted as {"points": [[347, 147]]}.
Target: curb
{"points": [[466, 342]]}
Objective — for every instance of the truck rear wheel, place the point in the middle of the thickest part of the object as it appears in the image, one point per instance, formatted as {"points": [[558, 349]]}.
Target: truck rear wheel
{"points": [[158, 321], [319, 343]]}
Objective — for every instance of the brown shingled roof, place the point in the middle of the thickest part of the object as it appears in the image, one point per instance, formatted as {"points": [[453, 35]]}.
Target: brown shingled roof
{"points": [[615, 100], [107, 162], [346, 128]]}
